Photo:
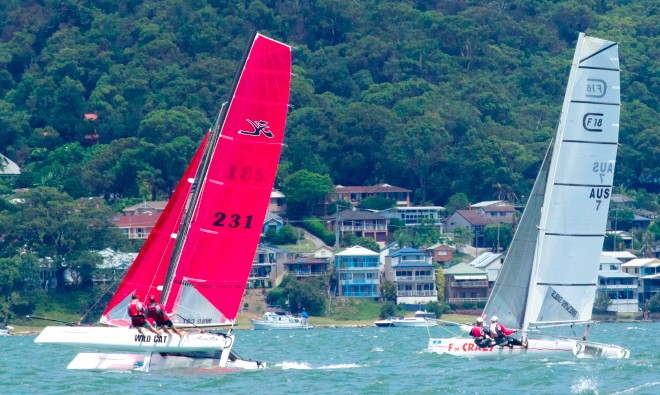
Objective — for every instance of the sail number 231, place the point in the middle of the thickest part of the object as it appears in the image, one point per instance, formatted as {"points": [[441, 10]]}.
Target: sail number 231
{"points": [[232, 220]]}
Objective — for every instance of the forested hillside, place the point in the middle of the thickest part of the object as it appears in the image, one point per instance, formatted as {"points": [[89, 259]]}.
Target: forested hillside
{"points": [[440, 97]]}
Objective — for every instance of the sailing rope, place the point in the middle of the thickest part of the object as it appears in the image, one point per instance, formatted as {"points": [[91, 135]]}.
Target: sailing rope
{"points": [[97, 301]]}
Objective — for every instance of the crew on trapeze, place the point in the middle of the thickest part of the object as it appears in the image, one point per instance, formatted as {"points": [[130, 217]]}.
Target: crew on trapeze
{"points": [[500, 334], [481, 335]]}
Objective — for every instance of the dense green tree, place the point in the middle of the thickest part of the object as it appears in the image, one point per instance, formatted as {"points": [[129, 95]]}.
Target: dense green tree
{"points": [[501, 234], [388, 291], [375, 202], [306, 189], [57, 229]]}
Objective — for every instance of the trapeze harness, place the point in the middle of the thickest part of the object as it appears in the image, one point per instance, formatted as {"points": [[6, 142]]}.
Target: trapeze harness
{"points": [[136, 311]]}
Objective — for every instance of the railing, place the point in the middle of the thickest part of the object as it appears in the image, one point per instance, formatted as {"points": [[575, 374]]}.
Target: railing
{"points": [[362, 294], [469, 284], [304, 273], [360, 281], [417, 293], [414, 278], [374, 266], [345, 228], [460, 300]]}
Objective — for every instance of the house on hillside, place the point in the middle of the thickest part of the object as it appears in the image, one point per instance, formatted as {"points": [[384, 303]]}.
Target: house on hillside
{"points": [[361, 223], [441, 254], [306, 267], [497, 213], [491, 263], [413, 273], [647, 270], [473, 220], [465, 283], [358, 271], [620, 287], [150, 208], [272, 222], [356, 194], [136, 226], [623, 256], [416, 215], [276, 203]]}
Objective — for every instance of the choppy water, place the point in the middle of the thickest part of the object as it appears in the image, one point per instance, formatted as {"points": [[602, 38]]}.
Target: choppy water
{"points": [[351, 360]]}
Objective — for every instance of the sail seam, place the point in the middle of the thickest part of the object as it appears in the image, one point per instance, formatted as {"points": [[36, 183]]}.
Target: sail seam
{"points": [[597, 68], [590, 142], [583, 185], [572, 234], [595, 102], [599, 51]]}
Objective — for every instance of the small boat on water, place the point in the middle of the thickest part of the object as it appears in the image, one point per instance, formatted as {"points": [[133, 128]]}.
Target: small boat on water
{"points": [[387, 322], [421, 318], [280, 319]]}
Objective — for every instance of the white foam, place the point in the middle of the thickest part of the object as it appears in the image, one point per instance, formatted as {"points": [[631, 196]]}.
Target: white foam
{"points": [[584, 385]]}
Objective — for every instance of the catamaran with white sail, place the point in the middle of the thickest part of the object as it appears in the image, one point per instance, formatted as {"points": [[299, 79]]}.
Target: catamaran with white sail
{"points": [[197, 259], [550, 272]]}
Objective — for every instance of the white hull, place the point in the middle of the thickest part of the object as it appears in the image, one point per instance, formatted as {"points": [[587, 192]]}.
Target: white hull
{"points": [[267, 325], [463, 347], [153, 361], [125, 339], [413, 322]]}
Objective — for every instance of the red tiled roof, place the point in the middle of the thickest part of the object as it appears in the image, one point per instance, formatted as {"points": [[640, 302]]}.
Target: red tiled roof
{"points": [[136, 221]]}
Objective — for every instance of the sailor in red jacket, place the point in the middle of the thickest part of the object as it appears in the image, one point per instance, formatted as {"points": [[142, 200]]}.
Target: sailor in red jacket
{"points": [[481, 334], [138, 318], [501, 334], [157, 313]]}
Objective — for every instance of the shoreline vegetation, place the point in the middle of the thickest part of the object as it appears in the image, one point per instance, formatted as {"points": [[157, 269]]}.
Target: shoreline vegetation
{"points": [[243, 322]]}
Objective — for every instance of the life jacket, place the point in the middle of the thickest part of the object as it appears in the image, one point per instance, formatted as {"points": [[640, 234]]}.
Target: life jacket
{"points": [[156, 312], [477, 332], [136, 311]]}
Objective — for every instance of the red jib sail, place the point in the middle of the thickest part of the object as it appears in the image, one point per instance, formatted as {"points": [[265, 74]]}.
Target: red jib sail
{"points": [[149, 269], [224, 229]]}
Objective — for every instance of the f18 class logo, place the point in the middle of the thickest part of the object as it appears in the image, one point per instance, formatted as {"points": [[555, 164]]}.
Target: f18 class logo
{"points": [[592, 122], [260, 127], [596, 88]]}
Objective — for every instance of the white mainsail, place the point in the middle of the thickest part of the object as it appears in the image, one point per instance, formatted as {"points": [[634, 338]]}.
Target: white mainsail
{"points": [[566, 230]]}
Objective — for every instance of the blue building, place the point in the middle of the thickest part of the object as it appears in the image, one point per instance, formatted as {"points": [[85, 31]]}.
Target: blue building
{"points": [[358, 269]]}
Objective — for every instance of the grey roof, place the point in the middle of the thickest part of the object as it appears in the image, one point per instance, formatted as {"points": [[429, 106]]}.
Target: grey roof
{"points": [[485, 259], [463, 268]]}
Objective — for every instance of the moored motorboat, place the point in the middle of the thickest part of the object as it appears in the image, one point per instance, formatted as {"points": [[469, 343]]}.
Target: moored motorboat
{"points": [[387, 322], [280, 319], [421, 318]]}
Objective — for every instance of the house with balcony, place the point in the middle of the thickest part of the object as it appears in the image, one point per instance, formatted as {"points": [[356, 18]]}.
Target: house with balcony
{"points": [[495, 210], [465, 283], [441, 254], [413, 273], [417, 215], [306, 267], [620, 287], [647, 270], [358, 270], [136, 226], [268, 266], [361, 223], [356, 194]]}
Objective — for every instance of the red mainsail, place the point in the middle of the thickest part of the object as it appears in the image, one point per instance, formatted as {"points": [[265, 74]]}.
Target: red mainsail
{"points": [[224, 229]]}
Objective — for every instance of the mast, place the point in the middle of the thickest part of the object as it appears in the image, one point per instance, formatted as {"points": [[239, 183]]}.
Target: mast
{"points": [[200, 177]]}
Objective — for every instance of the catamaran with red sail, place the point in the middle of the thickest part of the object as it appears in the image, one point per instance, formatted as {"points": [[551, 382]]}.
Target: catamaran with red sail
{"points": [[197, 259], [549, 277]]}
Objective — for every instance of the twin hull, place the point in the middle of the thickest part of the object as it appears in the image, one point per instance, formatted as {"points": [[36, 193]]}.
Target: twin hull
{"points": [[537, 347]]}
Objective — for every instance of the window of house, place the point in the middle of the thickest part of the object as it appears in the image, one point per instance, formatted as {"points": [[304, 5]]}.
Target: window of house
{"points": [[612, 267]]}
